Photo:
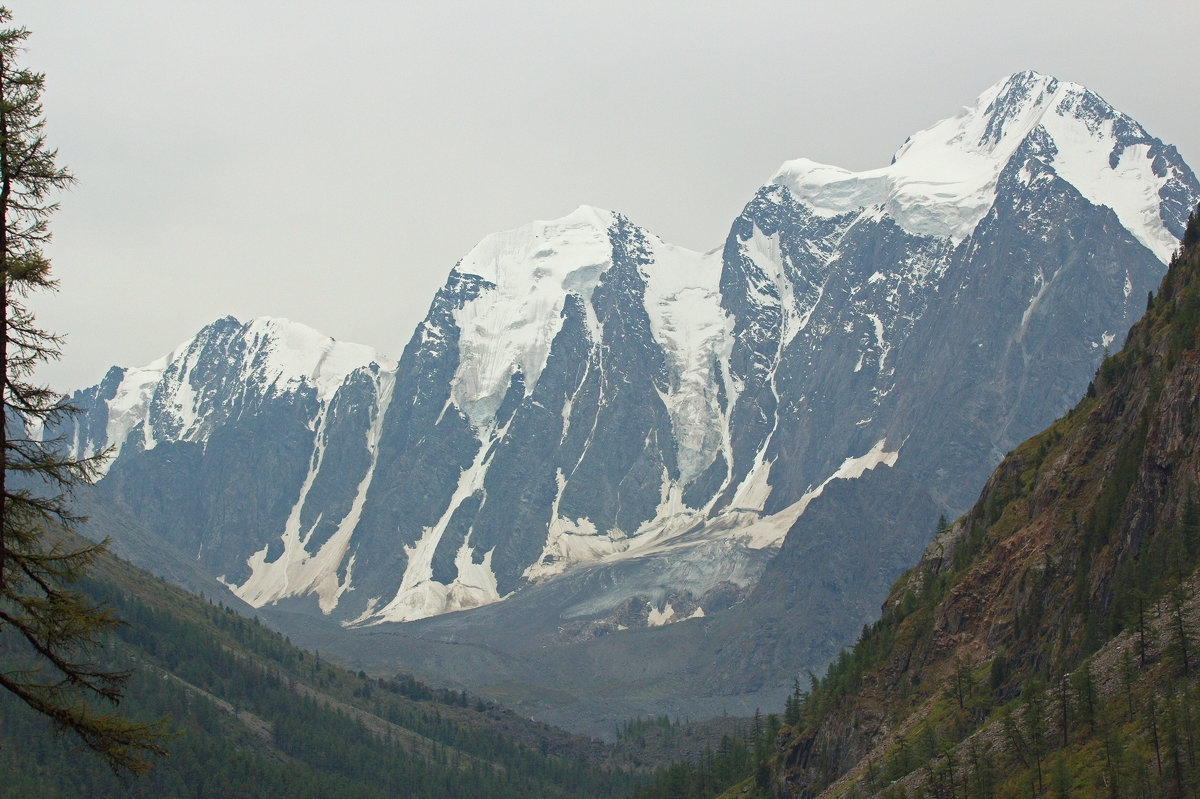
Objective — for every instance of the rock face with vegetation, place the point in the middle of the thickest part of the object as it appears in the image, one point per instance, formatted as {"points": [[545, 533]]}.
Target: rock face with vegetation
{"points": [[1047, 642]]}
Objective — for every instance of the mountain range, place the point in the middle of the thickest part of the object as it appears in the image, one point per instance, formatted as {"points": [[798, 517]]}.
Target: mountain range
{"points": [[597, 445]]}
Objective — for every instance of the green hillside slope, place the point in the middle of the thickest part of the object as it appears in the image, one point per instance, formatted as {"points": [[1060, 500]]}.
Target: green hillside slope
{"points": [[253, 716]]}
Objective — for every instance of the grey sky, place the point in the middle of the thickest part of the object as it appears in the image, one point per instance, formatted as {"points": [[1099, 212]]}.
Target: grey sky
{"points": [[330, 162]]}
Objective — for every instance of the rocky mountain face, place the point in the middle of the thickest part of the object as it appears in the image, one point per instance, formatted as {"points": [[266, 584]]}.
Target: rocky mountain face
{"points": [[1058, 613], [594, 431]]}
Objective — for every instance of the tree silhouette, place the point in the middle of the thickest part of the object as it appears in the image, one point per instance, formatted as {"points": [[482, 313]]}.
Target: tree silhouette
{"points": [[50, 632]]}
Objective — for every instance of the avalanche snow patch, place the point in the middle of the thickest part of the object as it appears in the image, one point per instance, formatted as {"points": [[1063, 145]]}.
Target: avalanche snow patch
{"points": [[419, 595], [296, 571]]}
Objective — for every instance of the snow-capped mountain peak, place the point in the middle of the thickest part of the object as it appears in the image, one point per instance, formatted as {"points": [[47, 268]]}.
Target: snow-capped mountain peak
{"points": [[180, 396], [537, 247], [942, 180], [288, 352], [509, 327], [1002, 116]]}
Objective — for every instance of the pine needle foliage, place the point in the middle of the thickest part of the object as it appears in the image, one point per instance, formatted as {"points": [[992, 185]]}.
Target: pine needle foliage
{"points": [[49, 633]]}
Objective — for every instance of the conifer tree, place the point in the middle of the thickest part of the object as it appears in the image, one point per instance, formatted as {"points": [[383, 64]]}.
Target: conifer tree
{"points": [[1084, 686], [1114, 746], [1173, 735], [51, 630], [1013, 736], [1151, 710], [791, 712], [1034, 697], [964, 683], [1064, 709], [1145, 633], [1179, 648], [1128, 678]]}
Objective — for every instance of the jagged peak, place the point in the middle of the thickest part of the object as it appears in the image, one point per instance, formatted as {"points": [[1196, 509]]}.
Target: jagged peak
{"points": [[279, 349], [271, 353], [530, 271], [942, 180], [1004, 114]]}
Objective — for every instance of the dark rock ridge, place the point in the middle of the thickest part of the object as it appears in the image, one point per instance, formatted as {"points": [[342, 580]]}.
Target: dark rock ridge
{"points": [[761, 436]]}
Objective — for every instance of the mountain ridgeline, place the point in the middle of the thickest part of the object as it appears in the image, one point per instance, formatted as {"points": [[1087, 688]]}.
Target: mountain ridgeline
{"points": [[601, 444], [1048, 642]]}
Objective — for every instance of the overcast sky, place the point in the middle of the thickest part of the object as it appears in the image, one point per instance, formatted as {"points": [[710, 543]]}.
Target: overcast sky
{"points": [[330, 162]]}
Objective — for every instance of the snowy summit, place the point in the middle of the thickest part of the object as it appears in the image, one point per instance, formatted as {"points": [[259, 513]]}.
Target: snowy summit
{"points": [[942, 181]]}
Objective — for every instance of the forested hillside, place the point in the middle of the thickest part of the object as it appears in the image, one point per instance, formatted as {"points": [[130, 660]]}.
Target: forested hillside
{"points": [[253, 716], [1047, 642]]}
